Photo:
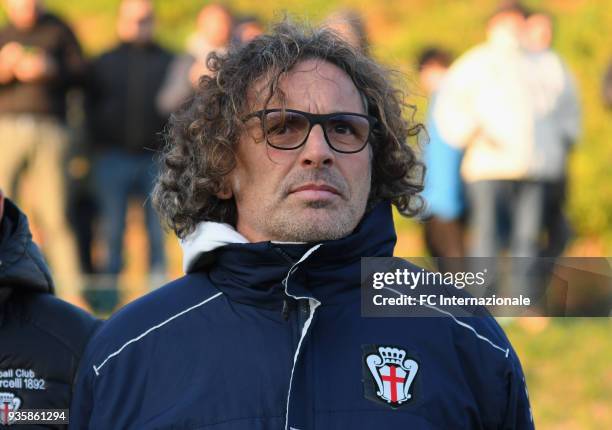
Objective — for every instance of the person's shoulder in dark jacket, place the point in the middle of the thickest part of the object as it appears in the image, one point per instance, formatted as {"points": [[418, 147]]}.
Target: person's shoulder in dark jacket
{"points": [[48, 18], [43, 337]]}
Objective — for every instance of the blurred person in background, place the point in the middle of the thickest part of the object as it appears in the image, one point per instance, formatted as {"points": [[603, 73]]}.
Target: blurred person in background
{"points": [[485, 107], [42, 337], [124, 124], [246, 29], [213, 34], [351, 27], [443, 192], [557, 126], [40, 60]]}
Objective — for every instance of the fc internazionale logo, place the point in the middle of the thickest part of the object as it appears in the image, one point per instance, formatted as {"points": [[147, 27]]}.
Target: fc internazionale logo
{"points": [[388, 375]]}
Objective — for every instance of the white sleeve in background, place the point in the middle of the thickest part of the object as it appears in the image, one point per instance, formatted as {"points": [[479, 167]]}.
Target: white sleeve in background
{"points": [[569, 114], [454, 113]]}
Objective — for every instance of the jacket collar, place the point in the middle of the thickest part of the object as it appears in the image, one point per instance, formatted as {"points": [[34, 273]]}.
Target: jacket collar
{"points": [[253, 273], [207, 237]]}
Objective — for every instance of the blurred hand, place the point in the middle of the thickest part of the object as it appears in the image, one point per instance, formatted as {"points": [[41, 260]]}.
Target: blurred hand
{"points": [[10, 55], [35, 67]]}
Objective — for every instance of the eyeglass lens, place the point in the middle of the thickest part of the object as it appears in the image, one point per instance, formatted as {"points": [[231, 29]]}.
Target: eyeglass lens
{"points": [[288, 130]]}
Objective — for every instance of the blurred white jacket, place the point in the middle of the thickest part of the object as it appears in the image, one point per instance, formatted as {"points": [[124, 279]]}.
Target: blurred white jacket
{"points": [[506, 109], [557, 114]]}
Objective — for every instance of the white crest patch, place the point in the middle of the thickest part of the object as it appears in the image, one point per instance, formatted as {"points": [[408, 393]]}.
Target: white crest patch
{"points": [[393, 374]]}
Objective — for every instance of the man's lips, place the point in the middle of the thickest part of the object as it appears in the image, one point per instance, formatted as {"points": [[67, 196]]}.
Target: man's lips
{"points": [[316, 191]]}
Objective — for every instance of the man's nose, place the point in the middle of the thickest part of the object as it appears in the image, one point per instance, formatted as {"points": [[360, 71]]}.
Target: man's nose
{"points": [[316, 152]]}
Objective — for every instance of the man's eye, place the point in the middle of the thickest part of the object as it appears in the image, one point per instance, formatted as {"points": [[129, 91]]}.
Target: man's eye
{"points": [[288, 126], [342, 128]]}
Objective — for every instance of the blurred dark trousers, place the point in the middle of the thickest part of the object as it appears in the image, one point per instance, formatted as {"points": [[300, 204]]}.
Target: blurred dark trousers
{"points": [[444, 238], [82, 212], [507, 215], [556, 224], [117, 177]]}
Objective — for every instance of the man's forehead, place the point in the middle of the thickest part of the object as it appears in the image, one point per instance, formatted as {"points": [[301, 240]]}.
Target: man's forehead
{"points": [[305, 78]]}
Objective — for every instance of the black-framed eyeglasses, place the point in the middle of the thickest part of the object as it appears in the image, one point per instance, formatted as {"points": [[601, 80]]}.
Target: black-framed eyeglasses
{"points": [[288, 129]]}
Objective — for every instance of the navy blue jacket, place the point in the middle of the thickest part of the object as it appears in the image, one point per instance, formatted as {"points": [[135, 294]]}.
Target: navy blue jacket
{"points": [[42, 338], [270, 336]]}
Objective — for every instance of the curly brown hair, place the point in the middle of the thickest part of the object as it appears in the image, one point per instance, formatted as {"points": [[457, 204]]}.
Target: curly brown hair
{"points": [[202, 136]]}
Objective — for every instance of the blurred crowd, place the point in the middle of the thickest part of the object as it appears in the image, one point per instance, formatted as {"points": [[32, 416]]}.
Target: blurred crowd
{"points": [[502, 121], [78, 136]]}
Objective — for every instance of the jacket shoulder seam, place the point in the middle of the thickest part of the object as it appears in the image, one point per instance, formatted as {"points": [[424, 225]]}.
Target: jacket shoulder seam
{"points": [[465, 325], [97, 368]]}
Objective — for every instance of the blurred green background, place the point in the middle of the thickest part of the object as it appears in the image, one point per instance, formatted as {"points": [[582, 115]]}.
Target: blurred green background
{"points": [[398, 30], [567, 362]]}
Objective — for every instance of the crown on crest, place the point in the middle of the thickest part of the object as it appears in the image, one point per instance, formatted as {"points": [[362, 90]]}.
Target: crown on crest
{"points": [[392, 355]]}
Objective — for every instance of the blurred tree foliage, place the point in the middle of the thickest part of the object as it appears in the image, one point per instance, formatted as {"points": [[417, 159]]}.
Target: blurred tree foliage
{"points": [[398, 29]]}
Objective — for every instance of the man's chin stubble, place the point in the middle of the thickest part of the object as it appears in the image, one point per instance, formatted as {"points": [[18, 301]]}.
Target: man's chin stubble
{"points": [[318, 204], [325, 223]]}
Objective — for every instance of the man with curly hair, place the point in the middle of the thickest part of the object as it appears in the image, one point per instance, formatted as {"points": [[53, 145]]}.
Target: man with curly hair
{"points": [[278, 177]]}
